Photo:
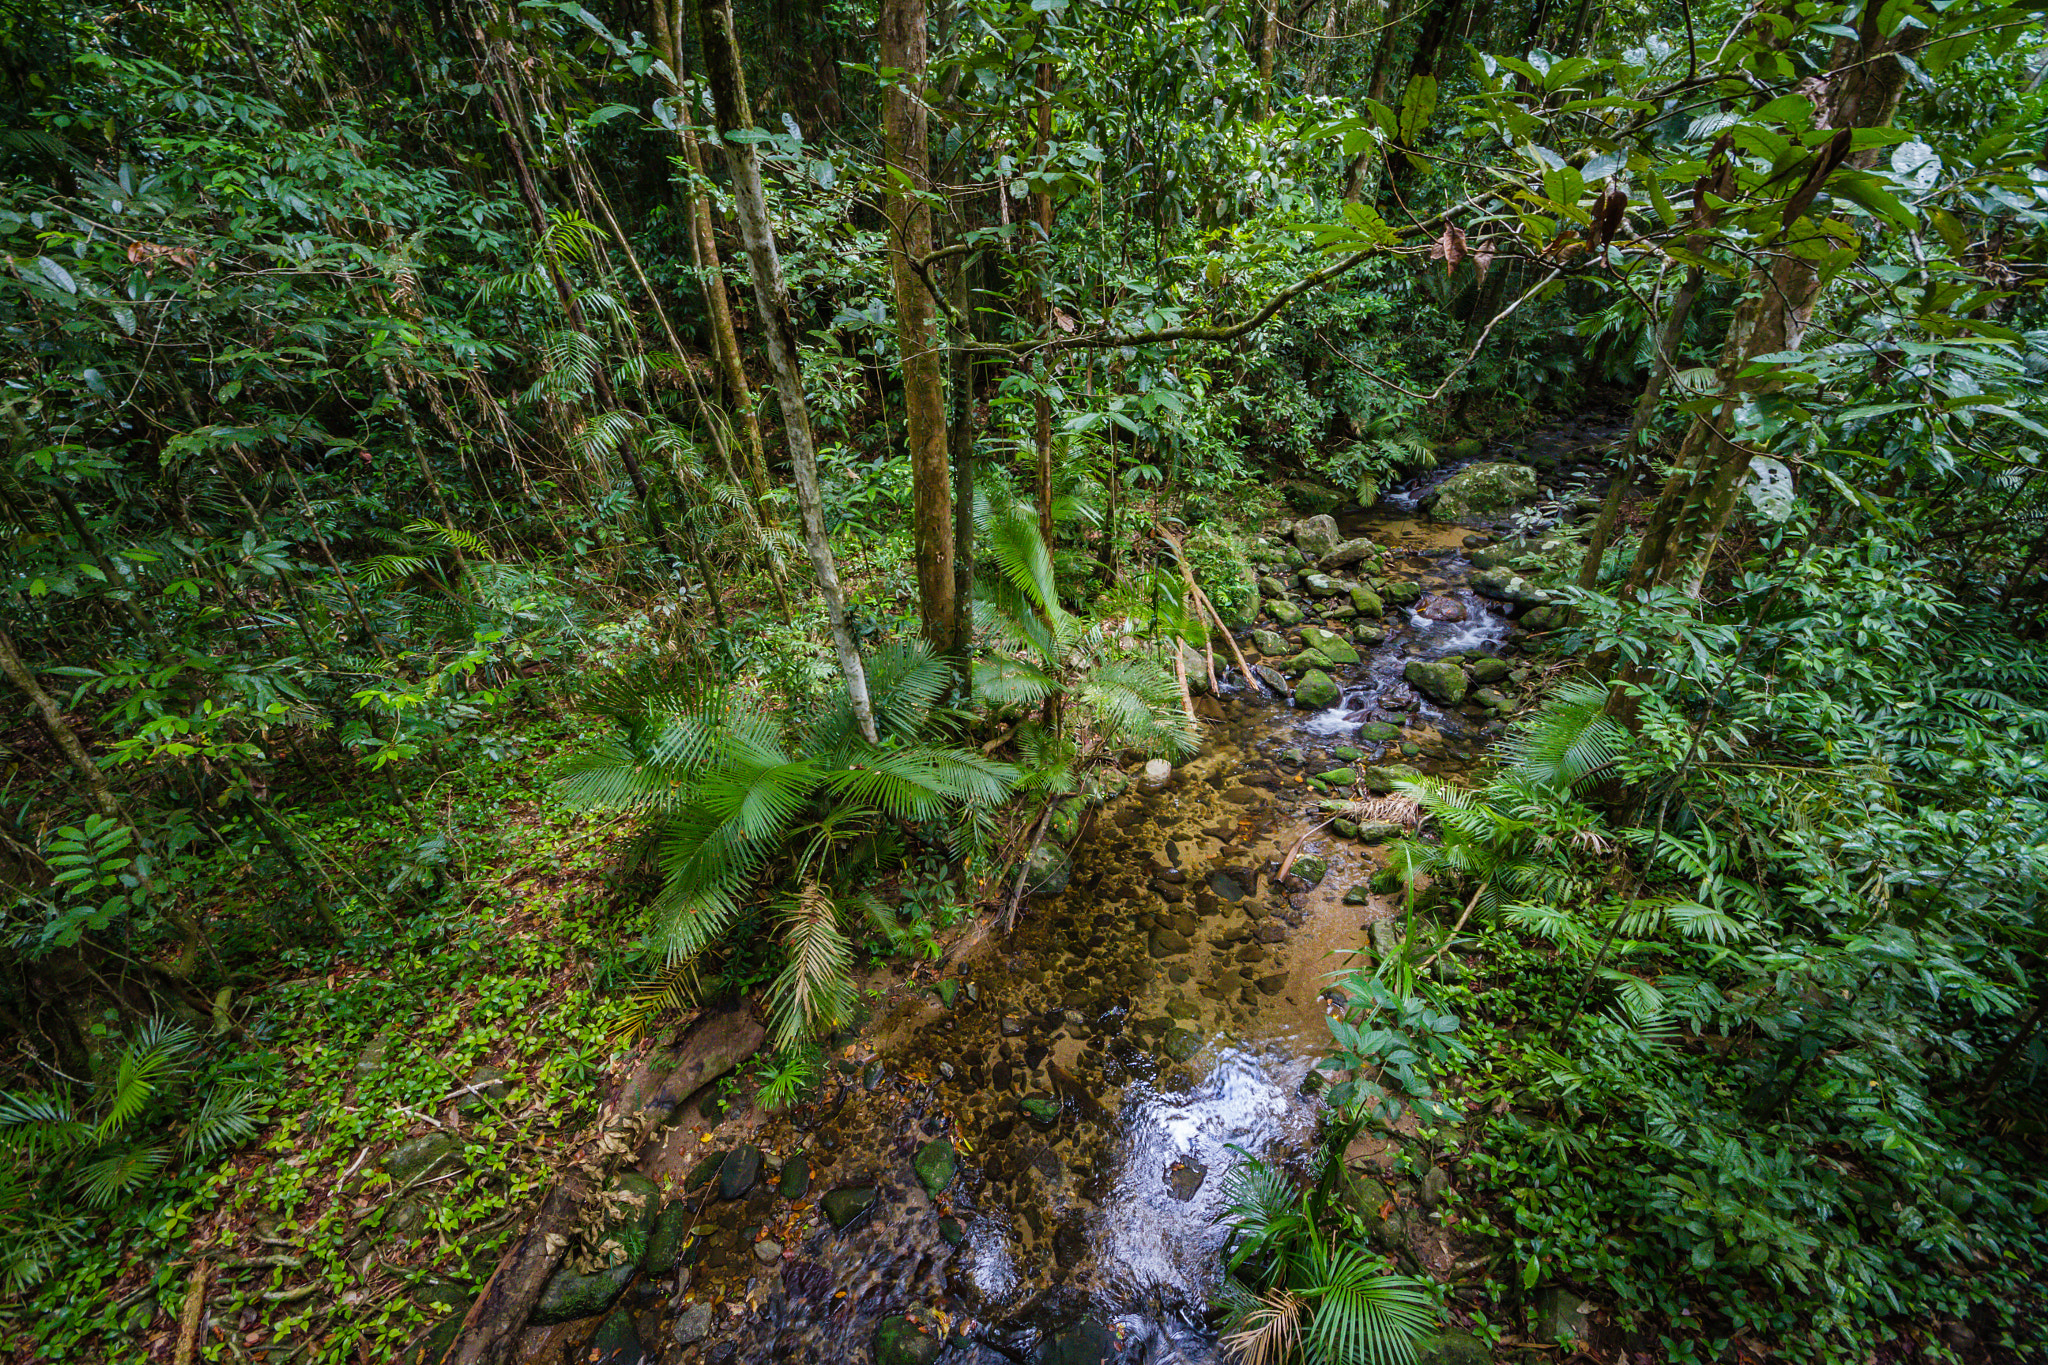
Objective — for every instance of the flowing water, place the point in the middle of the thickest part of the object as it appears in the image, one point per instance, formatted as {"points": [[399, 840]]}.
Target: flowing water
{"points": [[1159, 1015]]}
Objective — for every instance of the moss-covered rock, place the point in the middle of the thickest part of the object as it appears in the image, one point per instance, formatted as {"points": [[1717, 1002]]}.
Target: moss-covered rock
{"points": [[1347, 552], [1322, 585], [1317, 691], [1485, 668], [1306, 660], [1366, 602], [1315, 536], [1379, 732], [1331, 646], [570, 1296], [1399, 593], [899, 1342], [1442, 681], [1482, 490], [1505, 585], [1381, 780], [1269, 643], [1283, 611], [936, 1165]]}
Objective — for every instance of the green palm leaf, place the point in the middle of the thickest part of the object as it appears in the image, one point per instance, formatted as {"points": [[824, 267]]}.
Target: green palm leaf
{"points": [[1363, 1315]]}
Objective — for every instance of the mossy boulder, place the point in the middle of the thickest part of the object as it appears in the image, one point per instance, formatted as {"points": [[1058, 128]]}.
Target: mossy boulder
{"points": [[1366, 602], [1270, 643], [843, 1206], [1310, 659], [1311, 870], [1315, 536], [1379, 732], [1505, 585], [665, 1239], [1317, 691], [1442, 681], [570, 1296], [1485, 668], [1345, 553], [1399, 593], [1338, 777], [1482, 490], [1322, 585], [1048, 871], [1283, 611], [1331, 646], [1381, 780]]}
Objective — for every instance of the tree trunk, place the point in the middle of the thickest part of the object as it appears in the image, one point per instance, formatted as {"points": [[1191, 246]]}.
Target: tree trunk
{"points": [[536, 213], [1783, 288], [725, 341], [1661, 368], [771, 297], [1041, 406], [917, 333], [961, 440], [1375, 89]]}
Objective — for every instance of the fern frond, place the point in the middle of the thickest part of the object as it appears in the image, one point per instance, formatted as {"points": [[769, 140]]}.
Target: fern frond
{"points": [[228, 1117]]}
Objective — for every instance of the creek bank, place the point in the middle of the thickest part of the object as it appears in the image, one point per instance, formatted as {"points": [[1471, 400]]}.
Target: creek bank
{"points": [[1031, 1145]]}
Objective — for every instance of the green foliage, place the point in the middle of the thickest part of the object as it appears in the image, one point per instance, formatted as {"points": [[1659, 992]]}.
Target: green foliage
{"points": [[1301, 1285], [741, 802], [161, 1097]]}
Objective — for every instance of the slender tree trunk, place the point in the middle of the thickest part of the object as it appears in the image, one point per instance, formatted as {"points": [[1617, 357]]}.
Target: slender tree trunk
{"points": [[1652, 397], [724, 336], [572, 311], [1041, 256], [904, 130], [771, 297], [961, 441], [1269, 44], [1375, 89]]}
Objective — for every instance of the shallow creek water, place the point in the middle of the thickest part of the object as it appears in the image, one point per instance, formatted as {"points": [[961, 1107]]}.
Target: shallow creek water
{"points": [[1165, 1008]]}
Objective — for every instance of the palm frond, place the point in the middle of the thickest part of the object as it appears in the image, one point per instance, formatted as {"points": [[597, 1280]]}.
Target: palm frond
{"points": [[1567, 738], [1267, 1331], [1363, 1315], [814, 992]]}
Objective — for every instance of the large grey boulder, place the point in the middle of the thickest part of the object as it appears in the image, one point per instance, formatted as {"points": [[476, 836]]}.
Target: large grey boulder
{"points": [[1347, 552], [1482, 490], [1317, 536]]}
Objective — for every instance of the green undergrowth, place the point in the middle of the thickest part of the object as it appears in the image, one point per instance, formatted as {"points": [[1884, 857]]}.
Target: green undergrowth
{"points": [[1634, 1166], [485, 935]]}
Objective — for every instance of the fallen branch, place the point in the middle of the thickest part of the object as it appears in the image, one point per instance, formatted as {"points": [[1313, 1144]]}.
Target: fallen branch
{"points": [[190, 1316], [1424, 965], [490, 1331]]}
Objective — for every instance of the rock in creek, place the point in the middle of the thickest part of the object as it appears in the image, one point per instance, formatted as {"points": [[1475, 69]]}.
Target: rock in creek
{"points": [[1440, 609], [1317, 536], [935, 1165], [1482, 490], [1346, 553], [1317, 691], [693, 1325], [1443, 682], [570, 1296], [796, 1178], [1184, 1178], [843, 1206], [739, 1171], [899, 1342], [617, 1341], [1087, 1342]]}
